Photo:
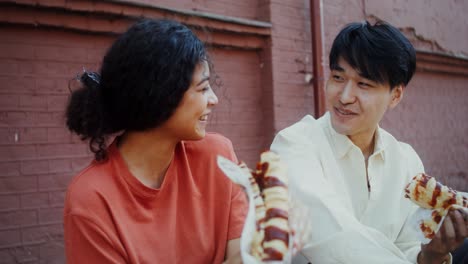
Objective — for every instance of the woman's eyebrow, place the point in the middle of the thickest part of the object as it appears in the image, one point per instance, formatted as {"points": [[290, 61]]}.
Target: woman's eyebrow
{"points": [[206, 78]]}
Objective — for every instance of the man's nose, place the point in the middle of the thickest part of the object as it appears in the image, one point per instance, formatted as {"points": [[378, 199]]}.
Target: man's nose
{"points": [[348, 95]]}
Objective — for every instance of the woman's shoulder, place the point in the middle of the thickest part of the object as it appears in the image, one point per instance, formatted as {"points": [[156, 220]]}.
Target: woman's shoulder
{"points": [[85, 188], [212, 143]]}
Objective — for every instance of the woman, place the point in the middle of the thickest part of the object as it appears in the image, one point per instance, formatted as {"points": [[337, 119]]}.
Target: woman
{"points": [[155, 195]]}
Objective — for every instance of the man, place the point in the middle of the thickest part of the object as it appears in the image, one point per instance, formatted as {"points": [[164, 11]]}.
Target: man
{"points": [[349, 172]]}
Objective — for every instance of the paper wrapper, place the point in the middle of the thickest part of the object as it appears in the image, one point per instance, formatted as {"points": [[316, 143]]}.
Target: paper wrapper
{"points": [[298, 217], [423, 217]]}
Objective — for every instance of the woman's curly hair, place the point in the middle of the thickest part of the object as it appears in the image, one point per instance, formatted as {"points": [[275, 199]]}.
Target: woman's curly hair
{"points": [[142, 80]]}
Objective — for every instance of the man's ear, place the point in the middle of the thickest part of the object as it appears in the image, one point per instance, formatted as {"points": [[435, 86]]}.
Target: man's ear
{"points": [[397, 95]]}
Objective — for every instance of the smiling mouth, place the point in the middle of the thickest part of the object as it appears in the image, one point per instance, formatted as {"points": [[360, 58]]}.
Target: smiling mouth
{"points": [[204, 118], [344, 112]]}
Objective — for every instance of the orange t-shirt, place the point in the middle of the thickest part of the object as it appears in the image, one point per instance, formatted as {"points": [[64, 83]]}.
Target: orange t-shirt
{"points": [[111, 217]]}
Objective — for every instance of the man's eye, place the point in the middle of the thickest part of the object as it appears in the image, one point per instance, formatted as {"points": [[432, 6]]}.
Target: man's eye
{"points": [[337, 78], [363, 84]]}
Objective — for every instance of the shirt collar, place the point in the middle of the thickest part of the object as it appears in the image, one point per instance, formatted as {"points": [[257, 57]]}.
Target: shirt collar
{"points": [[343, 144], [379, 147]]}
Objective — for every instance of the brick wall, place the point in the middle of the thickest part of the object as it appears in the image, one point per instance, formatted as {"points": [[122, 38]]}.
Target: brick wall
{"points": [[238, 114], [239, 8], [432, 118], [38, 156], [291, 61]]}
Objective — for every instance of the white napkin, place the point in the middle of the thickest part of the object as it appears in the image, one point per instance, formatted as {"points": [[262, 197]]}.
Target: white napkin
{"points": [[298, 216], [422, 214]]}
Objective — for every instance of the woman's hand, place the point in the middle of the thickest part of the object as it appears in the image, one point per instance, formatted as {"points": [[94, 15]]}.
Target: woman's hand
{"points": [[233, 254]]}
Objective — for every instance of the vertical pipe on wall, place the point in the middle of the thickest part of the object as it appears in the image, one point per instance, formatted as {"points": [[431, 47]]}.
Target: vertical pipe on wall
{"points": [[317, 57]]}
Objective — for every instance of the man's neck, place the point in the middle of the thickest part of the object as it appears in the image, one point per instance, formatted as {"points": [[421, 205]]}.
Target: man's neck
{"points": [[365, 142]]}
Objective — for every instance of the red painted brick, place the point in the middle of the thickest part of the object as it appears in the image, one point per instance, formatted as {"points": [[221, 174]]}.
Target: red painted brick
{"points": [[54, 69], [34, 200], [9, 237], [17, 219], [10, 119], [17, 152], [13, 136], [59, 53], [42, 234], [9, 101], [17, 85], [7, 256], [58, 181], [9, 202], [34, 102], [57, 102], [96, 54], [9, 67], [52, 252], [57, 198], [47, 119], [9, 169], [16, 51], [34, 167], [58, 135], [17, 184], [30, 135], [21, 254], [50, 215], [60, 166], [60, 150], [50, 86], [31, 119], [79, 164]]}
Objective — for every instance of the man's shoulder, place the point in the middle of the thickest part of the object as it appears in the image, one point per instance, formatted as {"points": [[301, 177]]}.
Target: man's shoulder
{"points": [[402, 152], [301, 129], [396, 145], [304, 136]]}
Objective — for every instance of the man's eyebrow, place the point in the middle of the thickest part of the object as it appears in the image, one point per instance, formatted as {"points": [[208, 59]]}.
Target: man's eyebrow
{"points": [[206, 78], [337, 68]]}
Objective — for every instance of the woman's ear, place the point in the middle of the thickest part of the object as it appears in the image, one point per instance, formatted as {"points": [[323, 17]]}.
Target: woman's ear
{"points": [[397, 95]]}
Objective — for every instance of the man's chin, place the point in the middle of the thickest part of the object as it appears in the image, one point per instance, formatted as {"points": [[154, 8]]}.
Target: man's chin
{"points": [[341, 128]]}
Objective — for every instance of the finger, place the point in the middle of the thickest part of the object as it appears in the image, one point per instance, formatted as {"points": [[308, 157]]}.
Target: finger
{"points": [[459, 224], [449, 229], [464, 213]]}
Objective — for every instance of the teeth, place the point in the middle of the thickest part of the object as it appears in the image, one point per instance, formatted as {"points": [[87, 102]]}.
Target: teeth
{"points": [[204, 118]]}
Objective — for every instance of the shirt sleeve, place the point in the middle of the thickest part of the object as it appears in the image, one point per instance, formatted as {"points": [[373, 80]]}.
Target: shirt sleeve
{"points": [[407, 240], [335, 236], [86, 243]]}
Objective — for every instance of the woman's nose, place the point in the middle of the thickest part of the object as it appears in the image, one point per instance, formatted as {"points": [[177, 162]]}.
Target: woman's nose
{"points": [[212, 98]]}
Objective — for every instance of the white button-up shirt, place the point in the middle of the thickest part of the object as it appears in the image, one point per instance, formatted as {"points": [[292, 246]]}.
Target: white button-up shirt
{"points": [[349, 223]]}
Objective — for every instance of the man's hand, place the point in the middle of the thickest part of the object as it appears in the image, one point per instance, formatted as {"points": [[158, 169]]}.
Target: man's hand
{"points": [[450, 236]]}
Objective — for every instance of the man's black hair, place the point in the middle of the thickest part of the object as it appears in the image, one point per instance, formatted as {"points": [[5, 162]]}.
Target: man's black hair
{"points": [[379, 52]]}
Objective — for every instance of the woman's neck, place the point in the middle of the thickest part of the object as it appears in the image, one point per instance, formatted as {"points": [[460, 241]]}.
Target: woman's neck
{"points": [[147, 155]]}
